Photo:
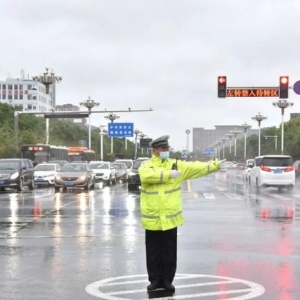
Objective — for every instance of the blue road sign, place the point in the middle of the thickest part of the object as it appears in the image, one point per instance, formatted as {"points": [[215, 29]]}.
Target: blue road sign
{"points": [[184, 154], [209, 150], [296, 87], [120, 129]]}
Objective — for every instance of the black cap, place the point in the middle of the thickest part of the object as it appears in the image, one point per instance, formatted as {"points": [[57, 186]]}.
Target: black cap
{"points": [[160, 142]]}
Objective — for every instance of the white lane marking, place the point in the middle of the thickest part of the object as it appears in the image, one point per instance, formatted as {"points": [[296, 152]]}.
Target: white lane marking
{"points": [[209, 196], [221, 188], [233, 197], [249, 289]]}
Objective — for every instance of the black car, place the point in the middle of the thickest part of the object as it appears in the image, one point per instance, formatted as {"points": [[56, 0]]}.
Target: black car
{"points": [[16, 173], [134, 181]]}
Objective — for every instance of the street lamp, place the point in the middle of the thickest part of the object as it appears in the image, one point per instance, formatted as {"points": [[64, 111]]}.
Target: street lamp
{"points": [[235, 132], [102, 132], [47, 78], [136, 132], [218, 144], [214, 145], [112, 117], [246, 127], [187, 140], [259, 118], [89, 104], [230, 135], [142, 135], [282, 104], [223, 139]]}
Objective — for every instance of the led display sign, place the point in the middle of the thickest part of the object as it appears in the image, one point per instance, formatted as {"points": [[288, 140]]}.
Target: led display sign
{"points": [[252, 92]]}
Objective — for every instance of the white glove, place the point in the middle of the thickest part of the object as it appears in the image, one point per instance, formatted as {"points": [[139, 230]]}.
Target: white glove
{"points": [[175, 173]]}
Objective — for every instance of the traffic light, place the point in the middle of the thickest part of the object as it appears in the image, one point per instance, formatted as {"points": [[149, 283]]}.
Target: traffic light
{"points": [[222, 86], [283, 87]]}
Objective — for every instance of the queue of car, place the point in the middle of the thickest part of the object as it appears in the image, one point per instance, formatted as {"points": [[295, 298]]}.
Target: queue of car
{"points": [[18, 173]]}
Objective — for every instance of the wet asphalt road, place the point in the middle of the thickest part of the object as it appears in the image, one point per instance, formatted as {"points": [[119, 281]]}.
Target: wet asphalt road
{"points": [[236, 243]]}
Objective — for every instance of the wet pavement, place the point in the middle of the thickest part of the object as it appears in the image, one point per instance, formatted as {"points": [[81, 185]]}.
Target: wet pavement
{"points": [[236, 243]]}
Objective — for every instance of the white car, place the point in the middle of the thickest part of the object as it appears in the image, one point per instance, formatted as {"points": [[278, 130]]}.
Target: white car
{"points": [[273, 171], [44, 174], [104, 172], [127, 162]]}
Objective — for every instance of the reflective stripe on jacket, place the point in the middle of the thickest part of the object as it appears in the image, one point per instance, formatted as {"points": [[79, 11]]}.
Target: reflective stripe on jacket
{"points": [[161, 207]]}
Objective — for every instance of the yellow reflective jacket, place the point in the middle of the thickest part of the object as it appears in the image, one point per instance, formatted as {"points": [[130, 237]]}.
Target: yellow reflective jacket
{"points": [[161, 207]]}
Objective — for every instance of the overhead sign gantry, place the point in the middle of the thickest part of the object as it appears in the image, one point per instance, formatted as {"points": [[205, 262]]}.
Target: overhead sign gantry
{"points": [[281, 91]]}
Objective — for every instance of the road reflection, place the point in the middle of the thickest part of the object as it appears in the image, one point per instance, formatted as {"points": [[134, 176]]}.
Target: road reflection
{"points": [[279, 281]]}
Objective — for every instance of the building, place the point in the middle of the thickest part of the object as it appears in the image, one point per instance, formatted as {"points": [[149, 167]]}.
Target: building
{"points": [[294, 115], [204, 138], [27, 93]]}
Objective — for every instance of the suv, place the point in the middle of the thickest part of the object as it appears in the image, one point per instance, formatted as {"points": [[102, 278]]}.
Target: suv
{"points": [[16, 173], [273, 170], [104, 172], [134, 181], [127, 162]]}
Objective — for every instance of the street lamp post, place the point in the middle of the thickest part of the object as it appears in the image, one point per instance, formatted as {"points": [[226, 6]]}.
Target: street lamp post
{"points": [[235, 132], [282, 104], [89, 104], [187, 140], [219, 142], [136, 132], [259, 118], [102, 132], [47, 78], [223, 139], [214, 145], [112, 117], [230, 135], [245, 126], [142, 135]]}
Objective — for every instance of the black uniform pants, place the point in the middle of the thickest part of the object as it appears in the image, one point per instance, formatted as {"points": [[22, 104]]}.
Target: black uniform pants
{"points": [[161, 254]]}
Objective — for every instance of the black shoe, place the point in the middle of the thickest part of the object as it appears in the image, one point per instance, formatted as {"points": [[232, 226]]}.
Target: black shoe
{"points": [[153, 286], [168, 286]]}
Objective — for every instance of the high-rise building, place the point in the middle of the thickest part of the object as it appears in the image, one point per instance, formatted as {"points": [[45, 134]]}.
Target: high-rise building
{"points": [[27, 93]]}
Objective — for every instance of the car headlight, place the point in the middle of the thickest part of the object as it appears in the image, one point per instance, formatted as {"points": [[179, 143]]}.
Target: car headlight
{"points": [[14, 175], [84, 177], [57, 177], [131, 174]]}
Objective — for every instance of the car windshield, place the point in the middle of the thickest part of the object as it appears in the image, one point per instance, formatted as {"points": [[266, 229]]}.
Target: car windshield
{"points": [[74, 168], [43, 167], [128, 163], [138, 163], [277, 161], [9, 165], [99, 166], [119, 166]]}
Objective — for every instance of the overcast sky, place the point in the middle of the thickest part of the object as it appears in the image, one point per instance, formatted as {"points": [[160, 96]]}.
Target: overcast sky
{"points": [[159, 54]]}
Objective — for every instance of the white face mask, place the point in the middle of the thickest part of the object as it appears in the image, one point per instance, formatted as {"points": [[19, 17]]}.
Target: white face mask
{"points": [[164, 154]]}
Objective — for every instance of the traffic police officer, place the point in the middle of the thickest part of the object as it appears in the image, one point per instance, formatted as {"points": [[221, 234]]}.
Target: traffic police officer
{"points": [[161, 209]]}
